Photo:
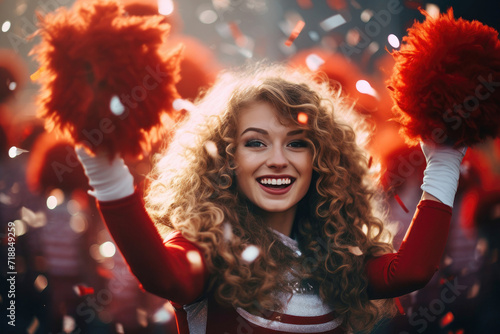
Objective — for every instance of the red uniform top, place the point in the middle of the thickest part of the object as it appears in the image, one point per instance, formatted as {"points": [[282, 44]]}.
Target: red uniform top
{"points": [[163, 268]]}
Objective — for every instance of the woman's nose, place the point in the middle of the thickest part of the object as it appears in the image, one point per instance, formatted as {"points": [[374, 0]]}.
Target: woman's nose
{"points": [[277, 158]]}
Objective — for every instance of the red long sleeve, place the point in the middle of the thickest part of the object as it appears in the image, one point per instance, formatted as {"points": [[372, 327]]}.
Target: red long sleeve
{"points": [[418, 258], [162, 267]]}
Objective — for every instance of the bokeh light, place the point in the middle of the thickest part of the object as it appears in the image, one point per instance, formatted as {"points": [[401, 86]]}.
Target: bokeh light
{"points": [[116, 106], [6, 26], [250, 253], [364, 87], [314, 62], [51, 202], [165, 7], [208, 16], [107, 249], [21, 227], [393, 41]]}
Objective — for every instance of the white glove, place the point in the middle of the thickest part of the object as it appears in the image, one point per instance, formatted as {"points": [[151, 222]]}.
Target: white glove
{"points": [[443, 171], [111, 180]]}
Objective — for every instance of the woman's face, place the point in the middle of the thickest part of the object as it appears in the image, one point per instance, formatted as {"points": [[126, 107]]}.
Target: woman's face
{"points": [[274, 161]]}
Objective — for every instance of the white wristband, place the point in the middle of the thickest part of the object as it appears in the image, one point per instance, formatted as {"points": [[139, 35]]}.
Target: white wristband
{"points": [[442, 172], [111, 180]]}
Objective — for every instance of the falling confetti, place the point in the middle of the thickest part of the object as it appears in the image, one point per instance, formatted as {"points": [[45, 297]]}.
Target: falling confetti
{"points": [[51, 202], [401, 310], [165, 7], [314, 62], [332, 22], [474, 290], [15, 151], [116, 106], [305, 4], [107, 249], [366, 15], [394, 41], [228, 231], [69, 324], [432, 10], [446, 319], [302, 118], [33, 219], [194, 259], [40, 283], [6, 26], [211, 149], [250, 253], [35, 76], [337, 4], [370, 161], [400, 202], [180, 104], [83, 290], [162, 315], [33, 327], [119, 328], [313, 35], [364, 87], [355, 250], [295, 32], [238, 36], [142, 317]]}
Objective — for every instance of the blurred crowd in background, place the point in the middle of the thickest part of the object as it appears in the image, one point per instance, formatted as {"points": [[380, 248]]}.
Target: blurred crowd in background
{"points": [[70, 278]]}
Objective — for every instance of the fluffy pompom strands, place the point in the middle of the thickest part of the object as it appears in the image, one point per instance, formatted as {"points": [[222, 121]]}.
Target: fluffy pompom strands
{"points": [[446, 81], [95, 55]]}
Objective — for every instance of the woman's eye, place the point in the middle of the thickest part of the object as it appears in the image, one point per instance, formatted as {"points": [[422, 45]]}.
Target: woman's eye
{"points": [[254, 143], [298, 144]]}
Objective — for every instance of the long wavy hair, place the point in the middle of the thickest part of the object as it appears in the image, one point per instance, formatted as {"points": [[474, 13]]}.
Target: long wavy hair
{"points": [[337, 225]]}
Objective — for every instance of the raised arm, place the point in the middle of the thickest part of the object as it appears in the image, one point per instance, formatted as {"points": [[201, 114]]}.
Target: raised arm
{"points": [[418, 258], [173, 268]]}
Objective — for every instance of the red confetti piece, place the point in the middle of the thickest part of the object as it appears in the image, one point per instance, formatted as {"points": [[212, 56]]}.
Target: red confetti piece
{"points": [[238, 36], [413, 4], [337, 4], [400, 202], [35, 76], [370, 161], [447, 319], [305, 4], [401, 310], [302, 118], [295, 32], [103, 272], [82, 290], [460, 331]]}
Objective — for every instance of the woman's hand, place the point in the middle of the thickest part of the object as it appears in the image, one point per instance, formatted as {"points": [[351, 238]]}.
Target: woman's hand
{"points": [[110, 179], [442, 172]]}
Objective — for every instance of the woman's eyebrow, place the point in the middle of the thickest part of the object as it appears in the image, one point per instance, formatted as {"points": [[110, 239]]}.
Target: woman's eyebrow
{"points": [[295, 132], [259, 130], [264, 132]]}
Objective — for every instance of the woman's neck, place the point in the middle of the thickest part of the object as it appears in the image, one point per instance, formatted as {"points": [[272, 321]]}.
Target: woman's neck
{"points": [[280, 221]]}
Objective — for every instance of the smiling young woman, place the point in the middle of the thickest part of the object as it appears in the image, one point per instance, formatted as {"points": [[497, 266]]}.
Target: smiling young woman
{"points": [[274, 164], [297, 192]]}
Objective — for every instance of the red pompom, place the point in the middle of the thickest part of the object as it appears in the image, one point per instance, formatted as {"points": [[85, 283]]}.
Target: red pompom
{"points": [[446, 81], [103, 80]]}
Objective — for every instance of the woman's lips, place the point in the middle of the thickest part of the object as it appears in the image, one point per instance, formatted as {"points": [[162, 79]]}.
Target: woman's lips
{"points": [[276, 191]]}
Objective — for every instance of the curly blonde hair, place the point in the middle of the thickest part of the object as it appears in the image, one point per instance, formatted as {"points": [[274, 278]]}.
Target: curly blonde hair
{"points": [[193, 190]]}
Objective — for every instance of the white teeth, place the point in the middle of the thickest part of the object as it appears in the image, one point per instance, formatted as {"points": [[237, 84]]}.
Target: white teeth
{"points": [[276, 182]]}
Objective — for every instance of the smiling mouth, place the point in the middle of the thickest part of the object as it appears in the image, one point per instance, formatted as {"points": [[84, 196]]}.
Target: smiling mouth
{"points": [[276, 183]]}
